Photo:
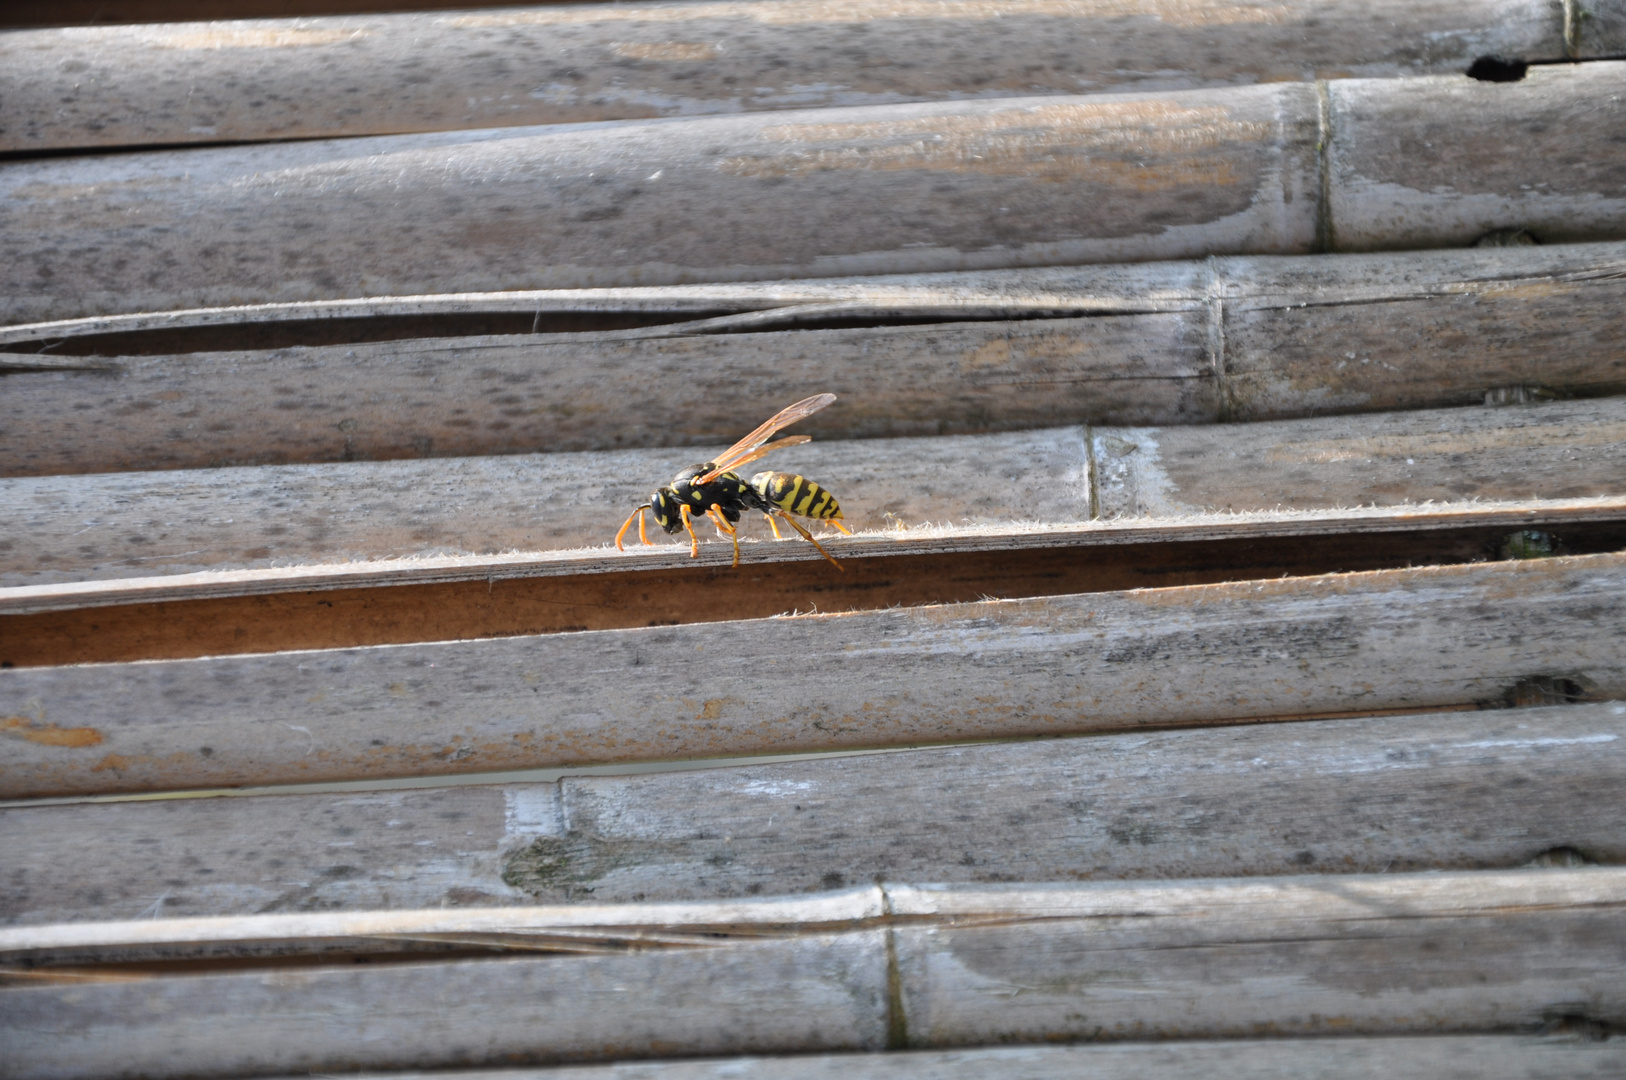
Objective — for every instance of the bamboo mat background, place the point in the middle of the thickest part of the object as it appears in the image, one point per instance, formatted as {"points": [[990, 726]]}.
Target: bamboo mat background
{"points": [[1224, 674]]}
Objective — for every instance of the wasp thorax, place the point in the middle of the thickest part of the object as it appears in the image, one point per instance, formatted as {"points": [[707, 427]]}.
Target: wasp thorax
{"points": [[683, 482]]}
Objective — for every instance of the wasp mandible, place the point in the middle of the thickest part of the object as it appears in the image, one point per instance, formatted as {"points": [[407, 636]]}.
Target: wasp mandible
{"points": [[716, 490]]}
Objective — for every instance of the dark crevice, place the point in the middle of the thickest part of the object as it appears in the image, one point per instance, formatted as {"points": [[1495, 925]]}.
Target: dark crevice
{"points": [[45, 13], [31, 365], [359, 330], [1326, 237], [897, 1020], [1535, 691], [1508, 238], [1561, 858], [294, 333], [1578, 1027], [47, 972], [125, 149], [1497, 69]]}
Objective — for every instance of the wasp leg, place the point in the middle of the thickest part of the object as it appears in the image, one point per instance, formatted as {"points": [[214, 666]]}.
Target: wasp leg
{"points": [[793, 523], [639, 514], [772, 524], [838, 524], [725, 529], [694, 541]]}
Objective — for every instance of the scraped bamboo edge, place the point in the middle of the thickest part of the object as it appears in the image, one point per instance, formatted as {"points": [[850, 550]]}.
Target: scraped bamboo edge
{"points": [[844, 909], [1127, 289], [1331, 896]]}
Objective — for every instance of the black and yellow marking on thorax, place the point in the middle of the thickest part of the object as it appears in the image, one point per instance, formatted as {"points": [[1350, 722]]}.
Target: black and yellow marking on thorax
{"points": [[796, 495]]}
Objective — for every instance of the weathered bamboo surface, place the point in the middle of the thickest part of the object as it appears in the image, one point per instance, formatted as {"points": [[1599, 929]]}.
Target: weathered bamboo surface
{"points": [[1054, 665], [827, 992], [246, 80], [116, 526], [1602, 32], [1074, 975], [1009, 182], [1410, 1057], [1017, 181], [1383, 459], [276, 326], [1444, 791], [1156, 344], [1388, 152], [1425, 954]]}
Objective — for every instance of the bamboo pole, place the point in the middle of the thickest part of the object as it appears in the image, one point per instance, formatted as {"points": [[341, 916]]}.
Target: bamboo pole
{"points": [[918, 495], [1000, 183], [1441, 636], [1402, 954], [1251, 338], [1462, 790], [344, 76]]}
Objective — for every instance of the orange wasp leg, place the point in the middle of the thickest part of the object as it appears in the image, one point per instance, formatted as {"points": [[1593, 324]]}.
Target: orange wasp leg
{"points": [[808, 537], [725, 529], [694, 541], [639, 514], [774, 525]]}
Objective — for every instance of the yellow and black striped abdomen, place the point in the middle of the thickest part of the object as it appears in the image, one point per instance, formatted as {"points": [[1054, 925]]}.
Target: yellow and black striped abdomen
{"points": [[796, 495]]}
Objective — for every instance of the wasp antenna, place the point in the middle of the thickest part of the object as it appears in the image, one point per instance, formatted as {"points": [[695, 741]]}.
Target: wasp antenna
{"points": [[639, 514]]}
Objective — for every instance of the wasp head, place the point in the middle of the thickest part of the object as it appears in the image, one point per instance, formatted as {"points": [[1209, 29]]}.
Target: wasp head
{"points": [[665, 505]]}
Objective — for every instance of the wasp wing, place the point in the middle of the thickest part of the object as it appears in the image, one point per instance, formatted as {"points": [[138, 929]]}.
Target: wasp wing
{"points": [[781, 419], [777, 444]]}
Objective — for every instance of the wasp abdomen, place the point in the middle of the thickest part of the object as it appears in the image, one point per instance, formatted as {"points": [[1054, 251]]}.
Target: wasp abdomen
{"points": [[796, 495]]}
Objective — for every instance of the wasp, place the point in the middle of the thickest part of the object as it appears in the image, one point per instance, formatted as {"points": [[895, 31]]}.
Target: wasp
{"points": [[715, 490]]}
